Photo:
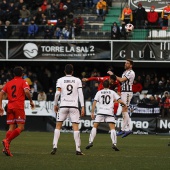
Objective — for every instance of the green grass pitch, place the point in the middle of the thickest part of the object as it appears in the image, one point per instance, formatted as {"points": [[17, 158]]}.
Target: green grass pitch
{"points": [[31, 151]]}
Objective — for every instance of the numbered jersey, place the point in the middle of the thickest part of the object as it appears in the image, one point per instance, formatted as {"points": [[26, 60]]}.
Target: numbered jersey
{"points": [[105, 99], [15, 91], [69, 86]]}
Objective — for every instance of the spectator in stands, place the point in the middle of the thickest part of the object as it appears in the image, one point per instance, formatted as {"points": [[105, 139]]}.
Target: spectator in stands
{"points": [[23, 31], [48, 31], [166, 15], [11, 6], [79, 23], [86, 92], [7, 30], [69, 19], [161, 87], [165, 104], [167, 85], [50, 95], [127, 15], [4, 5], [2, 15], [27, 79], [57, 33], [61, 23], [63, 10], [37, 86], [54, 8], [145, 99], [66, 32], [7, 15], [152, 17], [15, 14], [44, 6], [34, 94], [123, 32], [115, 31], [42, 96], [137, 87], [20, 4], [152, 87], [101, 8], [32, 29], [153, 102], [38, 16], [24, 15], [70, 6], [140, 16]]}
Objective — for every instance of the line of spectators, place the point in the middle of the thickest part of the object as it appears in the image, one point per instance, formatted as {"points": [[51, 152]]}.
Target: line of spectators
{"points": [[40, 16]]}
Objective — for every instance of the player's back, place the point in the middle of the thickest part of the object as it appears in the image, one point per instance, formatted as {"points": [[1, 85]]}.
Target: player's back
{"points": [[106, 99], [15, 92], [69, 90], [127, 85]]}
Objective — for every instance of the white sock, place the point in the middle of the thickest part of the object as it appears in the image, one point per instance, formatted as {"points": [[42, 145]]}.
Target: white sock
{"points": [[113, 136], [92, 135], [56, 137], [77, 140], [125, 120], [129, 124]]}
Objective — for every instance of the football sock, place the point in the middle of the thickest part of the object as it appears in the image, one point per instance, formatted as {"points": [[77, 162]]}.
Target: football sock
{"points": [[56, 137], [8, 133], [92, 135], [113, 136], [125, 120], [77, 140], [14, 134], [130, 124]]}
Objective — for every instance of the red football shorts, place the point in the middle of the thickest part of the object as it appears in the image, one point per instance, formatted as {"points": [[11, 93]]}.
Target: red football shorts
{"points": [[16, 116]]}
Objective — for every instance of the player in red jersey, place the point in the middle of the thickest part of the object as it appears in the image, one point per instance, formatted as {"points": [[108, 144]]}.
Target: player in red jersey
{"points": [[114, 84], [16, 90]]}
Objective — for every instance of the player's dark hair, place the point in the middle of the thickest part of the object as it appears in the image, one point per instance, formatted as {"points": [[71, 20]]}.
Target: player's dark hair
{"points": [[18, 71], [113, 77], [69, 69], [106, 84], [130, 61]]}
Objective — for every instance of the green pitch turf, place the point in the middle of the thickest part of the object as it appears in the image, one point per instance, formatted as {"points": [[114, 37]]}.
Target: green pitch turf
{"points": [[31, 151]]}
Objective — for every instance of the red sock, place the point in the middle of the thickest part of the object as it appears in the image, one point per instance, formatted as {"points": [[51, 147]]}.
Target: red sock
{"points": [[116, 105], [8, 133], [14, 134]]}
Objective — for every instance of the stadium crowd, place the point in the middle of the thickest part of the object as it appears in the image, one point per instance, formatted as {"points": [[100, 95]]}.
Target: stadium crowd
{"points": [[43, 83]]}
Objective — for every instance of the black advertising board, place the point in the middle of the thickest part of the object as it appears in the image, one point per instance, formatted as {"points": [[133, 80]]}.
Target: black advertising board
{"points": [[56, 50], [3, 50], [142, 51]]}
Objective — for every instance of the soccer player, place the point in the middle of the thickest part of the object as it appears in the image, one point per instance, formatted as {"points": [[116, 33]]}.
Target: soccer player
{"points": [[69, 88], [113, 84], [16, 90], [105, 98], [127, 80]]}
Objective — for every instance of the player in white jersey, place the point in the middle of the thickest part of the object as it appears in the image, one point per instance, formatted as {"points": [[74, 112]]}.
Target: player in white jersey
{"points": [[127, 79], [105, 98], [69, 89]]}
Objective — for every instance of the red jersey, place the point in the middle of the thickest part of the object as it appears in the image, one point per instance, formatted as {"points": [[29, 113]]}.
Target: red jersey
{"points": [[102, 79], [15, 90]]}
